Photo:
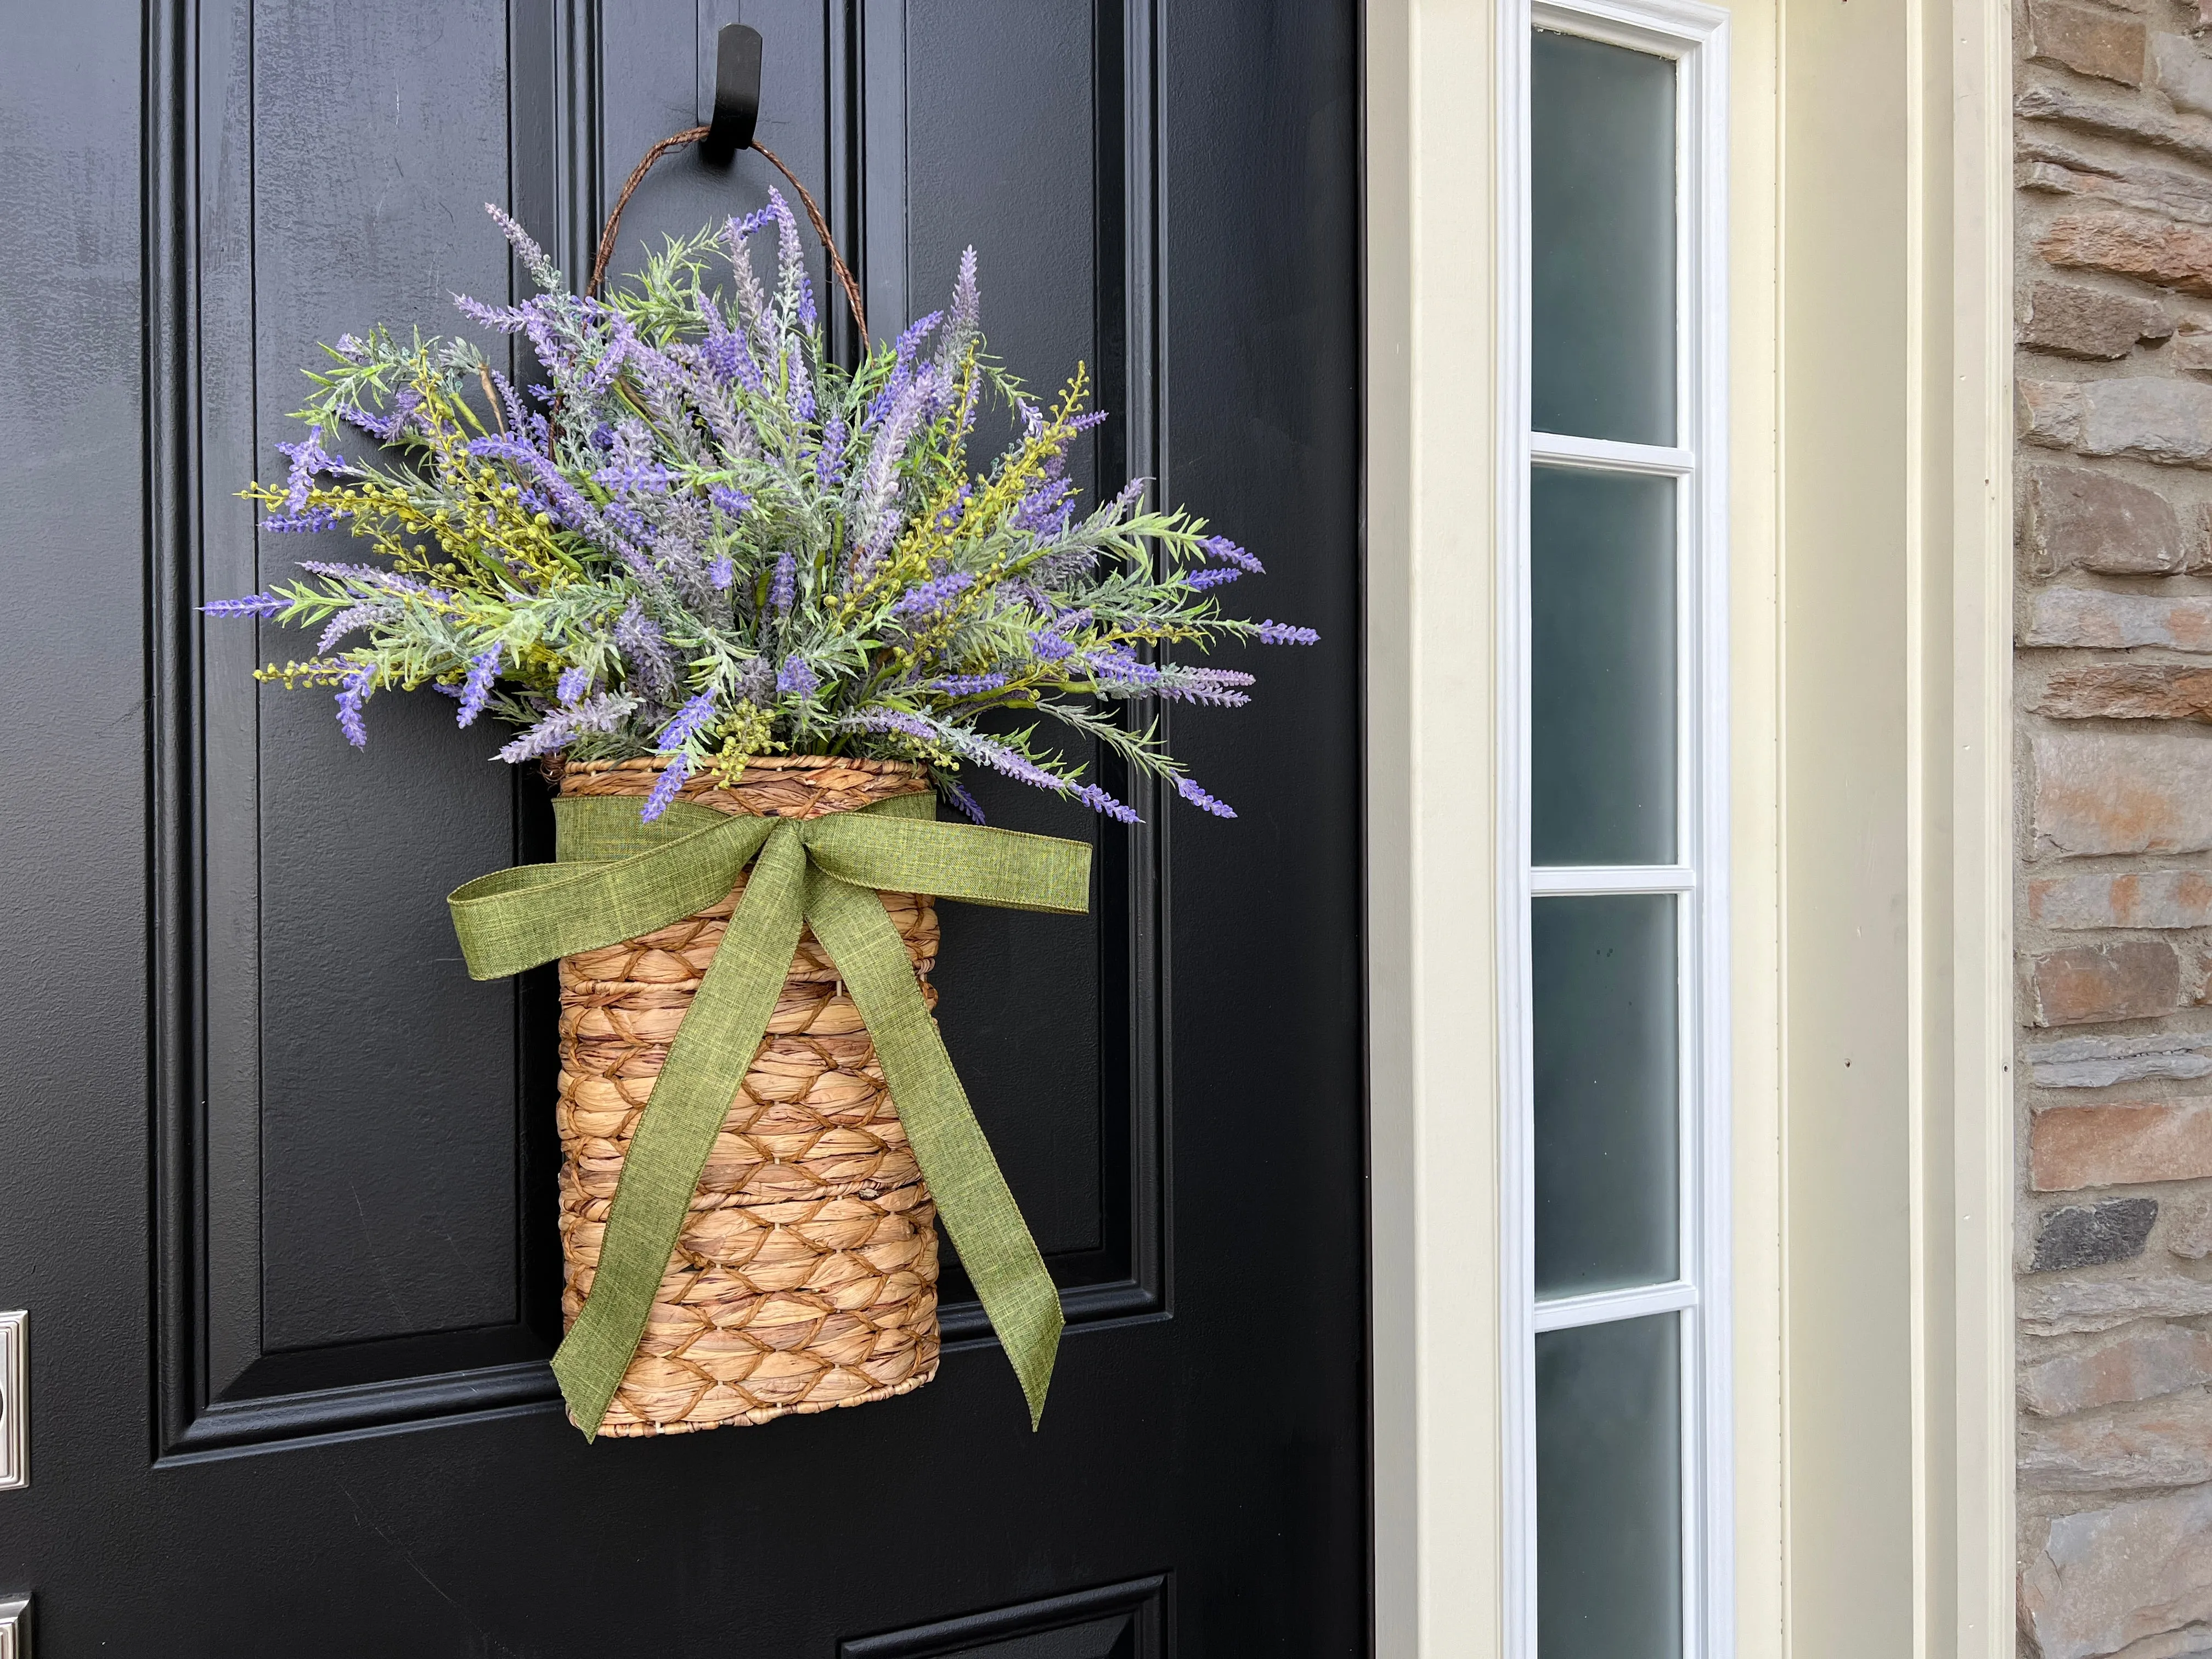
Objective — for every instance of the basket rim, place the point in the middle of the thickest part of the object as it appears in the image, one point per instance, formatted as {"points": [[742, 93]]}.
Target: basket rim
{"points": [[762, 762]]}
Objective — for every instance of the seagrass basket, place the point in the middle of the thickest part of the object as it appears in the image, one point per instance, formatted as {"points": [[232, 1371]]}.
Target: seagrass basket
{"points": [[805, 1276]]}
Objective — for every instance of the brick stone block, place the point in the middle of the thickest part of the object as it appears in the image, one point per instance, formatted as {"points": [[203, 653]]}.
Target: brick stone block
{"points": [[2153, 898], [2189, 1226], [2155, 251], [2140, 1362], [2183, 72], [2086, 1235], [2085, 521], [2075, 322], [2120, 1145], [2068, 1305], [2052, 164], [2155, 1443], [2060, 1307], [2192, 346], [2129, 691], [2101, 793], [2105, 1579], [2100, 1062], [2089, 616], [2128, 979], [2087, 42], [2169, 421]]}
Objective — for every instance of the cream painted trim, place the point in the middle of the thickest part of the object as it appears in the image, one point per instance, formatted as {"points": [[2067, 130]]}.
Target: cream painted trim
{"points": [[1431, 852], [1897, 114], [1973, 1465]]}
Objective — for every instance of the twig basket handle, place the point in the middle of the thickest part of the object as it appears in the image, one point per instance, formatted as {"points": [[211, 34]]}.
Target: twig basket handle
{"points": [[692, 135]]}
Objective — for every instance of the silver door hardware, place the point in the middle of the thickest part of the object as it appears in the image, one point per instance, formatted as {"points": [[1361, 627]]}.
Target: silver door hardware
{"points": [[14, 1410], [16, 1627]]}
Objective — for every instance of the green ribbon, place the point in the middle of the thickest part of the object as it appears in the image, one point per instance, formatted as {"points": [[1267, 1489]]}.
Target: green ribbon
{"points": [[617, 878]]}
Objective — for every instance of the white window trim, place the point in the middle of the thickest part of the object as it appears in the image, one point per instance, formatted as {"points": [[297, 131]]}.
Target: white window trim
{"points": [[1696, 36]]}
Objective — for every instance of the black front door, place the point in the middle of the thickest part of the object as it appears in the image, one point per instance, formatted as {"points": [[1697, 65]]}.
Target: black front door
{"points": [[276, 1178]]}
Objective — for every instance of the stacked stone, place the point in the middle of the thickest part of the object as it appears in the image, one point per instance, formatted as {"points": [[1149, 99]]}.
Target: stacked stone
{"points": [[2114, 905]]}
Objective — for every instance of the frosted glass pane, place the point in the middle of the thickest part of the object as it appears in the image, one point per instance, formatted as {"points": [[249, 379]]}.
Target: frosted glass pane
{"points": [[1601, 210], [1610, 1492], [1601, 674], [1606, 1048]]}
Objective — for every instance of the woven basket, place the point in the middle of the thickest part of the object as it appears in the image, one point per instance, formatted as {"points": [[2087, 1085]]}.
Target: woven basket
{"points": [[805, 1277]]}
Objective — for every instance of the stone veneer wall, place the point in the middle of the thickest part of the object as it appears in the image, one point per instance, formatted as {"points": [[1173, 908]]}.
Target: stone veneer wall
{"points": [[2113, 901]]}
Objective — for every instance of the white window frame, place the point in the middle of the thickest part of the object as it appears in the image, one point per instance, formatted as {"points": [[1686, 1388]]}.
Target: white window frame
{"points": [[1696, 36]]}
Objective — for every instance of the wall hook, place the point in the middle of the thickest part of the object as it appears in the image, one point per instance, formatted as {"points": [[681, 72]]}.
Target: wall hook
{"points": [[737, 94]]}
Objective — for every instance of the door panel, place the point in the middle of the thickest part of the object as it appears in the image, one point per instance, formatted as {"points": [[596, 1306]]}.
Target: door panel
{"points": [[289, 1237]]}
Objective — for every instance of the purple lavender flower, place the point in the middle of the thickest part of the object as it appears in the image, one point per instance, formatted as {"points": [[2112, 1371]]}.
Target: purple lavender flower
{"points": [[1099, 801], [1201, 580], [791, 260], [1214, 686], [370, 574], [963, 320], [1132, 493], [728, 501], [666, 788], [892, 719], [1275, 633], [505, 319], [645, 652], [253, 604], [353, 617], [738, 229], [352, 691], [534, 258], [476, 689], [969, 807], [688, 723], [783, 588], [307, 523], [722, 572], [830, 461], [628, 519], [1197, 797], [729, 358], [562, 726], [638, 478], [910, 342], [1050, 645], [1113, 663], [1002, 758], [568, 506], [1221, 547], [967, 685], [308, 457], [925, 597], [574, 682], [797, 678], [389, 428], [519, 417]]}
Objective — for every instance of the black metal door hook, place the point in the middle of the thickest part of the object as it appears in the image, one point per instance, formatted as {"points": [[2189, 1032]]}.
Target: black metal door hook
{"points": [[737, 94]]}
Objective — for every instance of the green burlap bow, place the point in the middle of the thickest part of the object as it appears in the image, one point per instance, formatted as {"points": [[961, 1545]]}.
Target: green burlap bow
{"points": [[618, 877]]}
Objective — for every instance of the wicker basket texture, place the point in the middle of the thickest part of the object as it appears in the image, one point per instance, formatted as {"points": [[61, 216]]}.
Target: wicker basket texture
{"points": [[805, 1277]]}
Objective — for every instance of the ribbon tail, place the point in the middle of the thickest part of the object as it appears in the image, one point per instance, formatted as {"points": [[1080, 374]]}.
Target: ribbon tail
{"points": [[714, 1048], [971, 1193]]}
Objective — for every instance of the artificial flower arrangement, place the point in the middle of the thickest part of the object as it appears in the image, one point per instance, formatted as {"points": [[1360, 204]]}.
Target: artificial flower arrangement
{"points": [[702, 539], [750, 607]]}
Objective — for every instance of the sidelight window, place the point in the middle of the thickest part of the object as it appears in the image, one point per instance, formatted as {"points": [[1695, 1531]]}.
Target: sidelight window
{"points": [[1615, 1056]]}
